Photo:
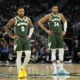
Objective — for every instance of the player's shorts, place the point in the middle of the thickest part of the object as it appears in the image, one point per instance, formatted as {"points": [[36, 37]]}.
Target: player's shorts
{"points": [[21, 44], [55, 41]]}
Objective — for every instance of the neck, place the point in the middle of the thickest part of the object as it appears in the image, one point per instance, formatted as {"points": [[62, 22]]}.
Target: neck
{"points": [[55, 14], [20, 17]]}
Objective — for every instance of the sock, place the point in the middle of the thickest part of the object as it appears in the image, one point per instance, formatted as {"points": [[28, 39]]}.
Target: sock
{"points": [[54, 58], [54, 65], [61, 57], [53, 54], [61, 54], [27, 58], [18, 60]]}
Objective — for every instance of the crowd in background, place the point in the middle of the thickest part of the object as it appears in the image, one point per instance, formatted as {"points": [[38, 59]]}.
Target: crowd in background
{"points": [[40, 53]]}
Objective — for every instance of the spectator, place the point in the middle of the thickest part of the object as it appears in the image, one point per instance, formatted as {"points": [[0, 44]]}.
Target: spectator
{"points": [[34, 56], [46, 56], [4, 51], [67, 55], [1, 35], [76, 56]]}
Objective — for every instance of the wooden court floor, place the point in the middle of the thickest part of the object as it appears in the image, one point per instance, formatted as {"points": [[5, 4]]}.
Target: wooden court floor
{"points": [[39, 72]]}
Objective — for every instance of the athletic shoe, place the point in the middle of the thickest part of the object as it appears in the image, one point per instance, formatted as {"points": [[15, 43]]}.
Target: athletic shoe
{"points": [[20, 75], [63, 72], [54, 72], [24, 72]]}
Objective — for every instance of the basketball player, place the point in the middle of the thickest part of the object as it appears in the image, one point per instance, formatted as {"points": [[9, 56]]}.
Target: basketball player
{"points": [[21, 38], [56, 35]]}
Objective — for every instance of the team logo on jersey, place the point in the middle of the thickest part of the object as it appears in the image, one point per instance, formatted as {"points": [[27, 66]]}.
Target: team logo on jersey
{"points": [[56, 19], [22, 23]]}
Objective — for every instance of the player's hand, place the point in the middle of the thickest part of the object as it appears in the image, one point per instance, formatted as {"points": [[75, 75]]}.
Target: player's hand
{"points": [[15, 36], [50, 32], [28, 37], [63, 34]]}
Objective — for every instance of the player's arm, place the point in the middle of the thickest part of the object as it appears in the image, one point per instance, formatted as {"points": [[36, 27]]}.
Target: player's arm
{"points": [[8, 26], [65, 24], [31, 28], [41, 21]]}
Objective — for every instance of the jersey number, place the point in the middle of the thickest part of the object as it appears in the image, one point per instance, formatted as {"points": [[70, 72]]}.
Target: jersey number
{"points": [[56, 24], [22, 28]]}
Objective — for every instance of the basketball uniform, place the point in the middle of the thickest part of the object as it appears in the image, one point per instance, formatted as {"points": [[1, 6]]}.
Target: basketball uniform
{"points": [[21, 29], [55, 40]]}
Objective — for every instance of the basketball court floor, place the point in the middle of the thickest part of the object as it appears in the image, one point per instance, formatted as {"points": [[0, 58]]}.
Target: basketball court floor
{"points": [[39, 72]]}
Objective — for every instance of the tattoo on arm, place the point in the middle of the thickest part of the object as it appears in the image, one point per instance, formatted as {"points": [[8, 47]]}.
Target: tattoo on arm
{"points": [[9, 25]]}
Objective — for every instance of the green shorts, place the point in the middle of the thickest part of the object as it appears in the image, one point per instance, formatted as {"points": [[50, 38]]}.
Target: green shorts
{"points": [[55, 41], [21, 44]]}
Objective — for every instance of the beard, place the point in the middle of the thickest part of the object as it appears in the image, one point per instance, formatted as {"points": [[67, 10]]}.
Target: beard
{"points": [[55, 12], [21, 15]]}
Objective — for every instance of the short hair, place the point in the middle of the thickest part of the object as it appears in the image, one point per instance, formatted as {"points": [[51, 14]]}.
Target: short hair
{"points": [[21, 7], [54, 5]]}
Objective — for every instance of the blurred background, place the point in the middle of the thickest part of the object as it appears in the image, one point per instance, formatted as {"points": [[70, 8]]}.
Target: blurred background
{"points": [[36, 9]]}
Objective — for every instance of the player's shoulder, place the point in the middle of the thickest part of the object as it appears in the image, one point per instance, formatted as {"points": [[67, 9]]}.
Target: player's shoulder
{"points": [[47, 15], [61, 14], [25, 17], [12, 20], [28, 19]]}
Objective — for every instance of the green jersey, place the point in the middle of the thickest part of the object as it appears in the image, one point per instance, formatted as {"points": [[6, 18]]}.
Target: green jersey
{"points": [[21, 27], [55, 23]]}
